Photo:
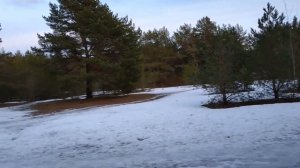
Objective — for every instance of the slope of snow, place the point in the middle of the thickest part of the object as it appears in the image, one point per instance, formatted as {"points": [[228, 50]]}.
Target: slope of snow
{"points": [[168, 90], [175, 131]]}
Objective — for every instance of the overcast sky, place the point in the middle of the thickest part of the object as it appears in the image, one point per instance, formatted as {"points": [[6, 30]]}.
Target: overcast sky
{"points": [[21, 20]]}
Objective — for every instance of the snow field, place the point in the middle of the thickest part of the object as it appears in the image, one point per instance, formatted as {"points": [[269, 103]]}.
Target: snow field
{"points": [[175, 131]]}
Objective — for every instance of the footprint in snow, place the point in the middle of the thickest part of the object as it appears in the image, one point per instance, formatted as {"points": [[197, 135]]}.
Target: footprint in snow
{"points": [[142, 139]]}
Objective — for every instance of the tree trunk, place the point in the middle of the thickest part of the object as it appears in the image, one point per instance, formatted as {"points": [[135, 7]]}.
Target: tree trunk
{"points": [[224, 97], [275, 90], [89, 86], [276, 95], [225, 101], [88, 82]]}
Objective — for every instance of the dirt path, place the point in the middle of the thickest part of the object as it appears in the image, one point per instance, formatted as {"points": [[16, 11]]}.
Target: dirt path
{"points": [[2, 105], [59, 106]]}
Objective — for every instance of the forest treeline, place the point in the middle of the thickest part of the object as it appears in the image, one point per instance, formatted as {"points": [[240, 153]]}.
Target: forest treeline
{"points": [[91, 49]]}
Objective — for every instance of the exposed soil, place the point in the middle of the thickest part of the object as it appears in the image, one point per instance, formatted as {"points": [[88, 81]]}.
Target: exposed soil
{"points": [[58, 106], [9, 104], [249, 103]]}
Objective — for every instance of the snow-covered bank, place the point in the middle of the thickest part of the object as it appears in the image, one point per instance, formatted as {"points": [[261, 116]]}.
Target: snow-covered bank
{"points": [[175, 131]]}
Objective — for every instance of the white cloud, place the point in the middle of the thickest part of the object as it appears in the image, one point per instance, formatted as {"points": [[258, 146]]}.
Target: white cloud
{"points": [[19, 18], [20, 42], [24, 2]]}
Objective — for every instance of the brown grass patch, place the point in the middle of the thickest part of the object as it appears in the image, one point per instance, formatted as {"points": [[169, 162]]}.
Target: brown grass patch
{"points": [[58, 106], [9, 104]]}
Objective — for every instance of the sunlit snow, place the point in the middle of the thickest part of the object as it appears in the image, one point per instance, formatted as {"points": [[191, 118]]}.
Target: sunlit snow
{"points": [[175, 131]]}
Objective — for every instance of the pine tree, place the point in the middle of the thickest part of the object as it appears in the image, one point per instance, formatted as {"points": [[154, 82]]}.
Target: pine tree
{"points": [[194, 46], [205, 32], [186, 42], [223, 68], [0, 30], [295, 26], [272, 56], [89, 39], [160, 59]]}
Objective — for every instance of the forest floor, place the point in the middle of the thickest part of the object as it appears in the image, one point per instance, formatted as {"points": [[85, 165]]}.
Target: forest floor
{"points": [[56, 106], [252, 102], [10, 104], [62, 105]]}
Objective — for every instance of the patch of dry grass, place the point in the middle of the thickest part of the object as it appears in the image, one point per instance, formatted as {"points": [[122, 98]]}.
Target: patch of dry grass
{"points": [[9, 104], [58, 106]]}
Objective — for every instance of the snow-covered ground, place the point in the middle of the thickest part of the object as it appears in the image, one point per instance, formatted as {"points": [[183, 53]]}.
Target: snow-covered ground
{"points": [[175, 131]]}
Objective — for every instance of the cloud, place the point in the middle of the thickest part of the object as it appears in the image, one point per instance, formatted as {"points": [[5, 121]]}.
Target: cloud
{"points": [[20, 41], [21, 3]]}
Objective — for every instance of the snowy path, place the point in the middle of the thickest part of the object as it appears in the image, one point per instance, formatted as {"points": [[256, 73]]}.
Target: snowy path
{"points": [[174, 131]]}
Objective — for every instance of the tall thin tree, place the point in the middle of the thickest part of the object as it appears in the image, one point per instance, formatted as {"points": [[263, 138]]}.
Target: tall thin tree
{"points": [[0, 30], [272, 51], [88, 33]]}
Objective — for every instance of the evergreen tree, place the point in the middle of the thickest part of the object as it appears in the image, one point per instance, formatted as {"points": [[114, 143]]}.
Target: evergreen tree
{"points": [[205, 32], [161, 65], [185, 41], [272, 55], [186, 47], [8, 92], [27, 77], [217, 56], [0, 30], [224, 69], [295, 26], [194, 45], [90, 41]]}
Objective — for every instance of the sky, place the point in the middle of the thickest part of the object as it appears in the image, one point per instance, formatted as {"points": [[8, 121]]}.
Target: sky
{"points": [[21, 20]]}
